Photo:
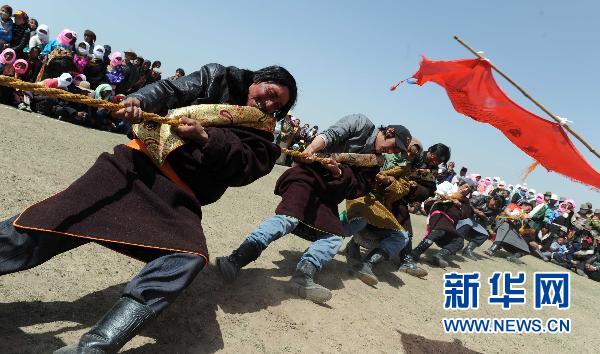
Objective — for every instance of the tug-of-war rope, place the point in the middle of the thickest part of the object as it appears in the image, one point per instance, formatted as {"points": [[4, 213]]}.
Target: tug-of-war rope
{"points": [[77, 98], [365, 160]]}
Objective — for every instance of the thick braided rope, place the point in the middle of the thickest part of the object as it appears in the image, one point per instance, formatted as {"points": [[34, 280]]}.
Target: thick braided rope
{"points": [[72, 97], [395, 171]]}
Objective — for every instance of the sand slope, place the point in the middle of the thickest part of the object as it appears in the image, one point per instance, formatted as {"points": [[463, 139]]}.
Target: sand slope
{"points": [[45, 307]]}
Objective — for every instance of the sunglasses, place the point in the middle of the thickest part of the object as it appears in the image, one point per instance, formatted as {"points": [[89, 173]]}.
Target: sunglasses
{"points": [[43, 31]]}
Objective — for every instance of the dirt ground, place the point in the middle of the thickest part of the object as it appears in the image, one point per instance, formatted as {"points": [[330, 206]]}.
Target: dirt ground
{"points": [[43, 308]]}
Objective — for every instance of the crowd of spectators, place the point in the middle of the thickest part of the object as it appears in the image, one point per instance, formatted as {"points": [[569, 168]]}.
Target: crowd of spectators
{"points": [[69, 62], [552, 226], [290, 134]]}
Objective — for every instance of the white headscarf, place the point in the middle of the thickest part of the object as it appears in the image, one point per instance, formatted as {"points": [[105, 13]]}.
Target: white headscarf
{"points": [[83, 51], [44, 38], [98, 52], [65, 80]]}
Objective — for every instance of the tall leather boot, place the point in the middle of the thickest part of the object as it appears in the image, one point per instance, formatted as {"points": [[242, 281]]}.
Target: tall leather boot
{"points": [[440, 258], [116, 328], [230, 266], [421, 247], [365, 272], [409, 266], [303, 284], [468, 251], [493, 248]]}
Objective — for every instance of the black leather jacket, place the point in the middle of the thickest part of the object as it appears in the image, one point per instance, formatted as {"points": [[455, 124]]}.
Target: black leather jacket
{"points": [[213, 83]]}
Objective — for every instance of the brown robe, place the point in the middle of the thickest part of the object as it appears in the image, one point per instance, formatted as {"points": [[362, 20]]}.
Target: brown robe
{"points": [[125, 199], [311, 194]]}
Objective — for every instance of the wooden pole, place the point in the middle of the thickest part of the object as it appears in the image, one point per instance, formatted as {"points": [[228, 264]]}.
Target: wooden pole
{"points": [[541, 106]]}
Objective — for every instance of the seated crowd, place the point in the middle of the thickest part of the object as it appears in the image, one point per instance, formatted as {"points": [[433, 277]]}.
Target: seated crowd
{"points": [[549, 225], [70, 63]]}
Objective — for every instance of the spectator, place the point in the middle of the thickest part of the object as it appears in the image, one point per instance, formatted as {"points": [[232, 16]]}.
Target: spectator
{"points": [[64, 40], [33, 25], [154, 76], [90, 38], [7, 58], [95, 71], [21, 33], [178, 74], [6, 26], [63, 81], [40, 38], [34, 65], [156, 64], [115, 70], [78, 79], [131, 71], [81, 59], [107, 52], [312, 134]]}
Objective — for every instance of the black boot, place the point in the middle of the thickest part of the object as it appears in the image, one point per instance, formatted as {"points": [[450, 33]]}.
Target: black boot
{"points": [[116, 328], [490, 251], [421, 247], [365, 273], [468, 251], [515, 258], [352, 253], [410, 267], [303, 284], [230, 266], [439, 259]]}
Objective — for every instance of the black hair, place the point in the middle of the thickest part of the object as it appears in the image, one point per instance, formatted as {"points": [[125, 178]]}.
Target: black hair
{"points": [[181, 71], [7, 9], [34, 20], [154, 63], [498, 200], [440, 150], [279, 75]]}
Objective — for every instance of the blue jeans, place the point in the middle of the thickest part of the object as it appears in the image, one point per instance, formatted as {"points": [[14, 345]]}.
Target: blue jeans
{"points": [[392, 241], [320, 252]]}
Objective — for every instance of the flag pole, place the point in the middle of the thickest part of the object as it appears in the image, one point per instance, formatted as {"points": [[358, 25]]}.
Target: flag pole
{"points": [[541, 106]]}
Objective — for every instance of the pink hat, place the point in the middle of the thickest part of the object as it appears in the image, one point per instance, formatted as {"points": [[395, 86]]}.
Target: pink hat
{"points": [[539, 197], [63, 38], [3, 58], [23, 70], [116, 59]]}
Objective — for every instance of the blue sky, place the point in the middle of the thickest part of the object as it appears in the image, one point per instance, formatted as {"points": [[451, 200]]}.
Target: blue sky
{"points": [[345, 56]]}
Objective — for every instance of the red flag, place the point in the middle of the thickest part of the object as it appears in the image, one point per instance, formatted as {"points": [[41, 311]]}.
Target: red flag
{"points": [[474, 93]]}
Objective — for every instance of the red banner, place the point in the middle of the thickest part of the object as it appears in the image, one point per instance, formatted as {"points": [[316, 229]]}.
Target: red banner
{"points": [[474, 92]]}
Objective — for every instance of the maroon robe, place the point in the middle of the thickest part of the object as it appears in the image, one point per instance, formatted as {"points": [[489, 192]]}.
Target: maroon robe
{"points": [[311, 194], [125, 199]]}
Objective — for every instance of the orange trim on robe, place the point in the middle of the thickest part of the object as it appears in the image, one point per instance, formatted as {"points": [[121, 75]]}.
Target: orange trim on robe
{"points": [[165, 168]]}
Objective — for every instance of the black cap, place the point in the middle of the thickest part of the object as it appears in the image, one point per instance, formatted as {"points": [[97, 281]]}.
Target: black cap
{"points": [[402, 135]]}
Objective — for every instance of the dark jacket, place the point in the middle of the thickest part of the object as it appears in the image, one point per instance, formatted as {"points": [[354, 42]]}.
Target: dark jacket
{"points": [[20, 39], [125, 199], [212, 82], [311, 194]]}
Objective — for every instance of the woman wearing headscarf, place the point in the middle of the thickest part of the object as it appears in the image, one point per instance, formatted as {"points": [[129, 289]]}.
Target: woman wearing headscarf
{"points": [[95, 70], [126, 202], [64, 40], [7, 58], [115, 72], [58, 55], [81, 59], [40, 38]]}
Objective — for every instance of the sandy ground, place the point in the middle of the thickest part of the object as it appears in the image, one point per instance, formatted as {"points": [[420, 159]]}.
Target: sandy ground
{"points": [[45, 307]]}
